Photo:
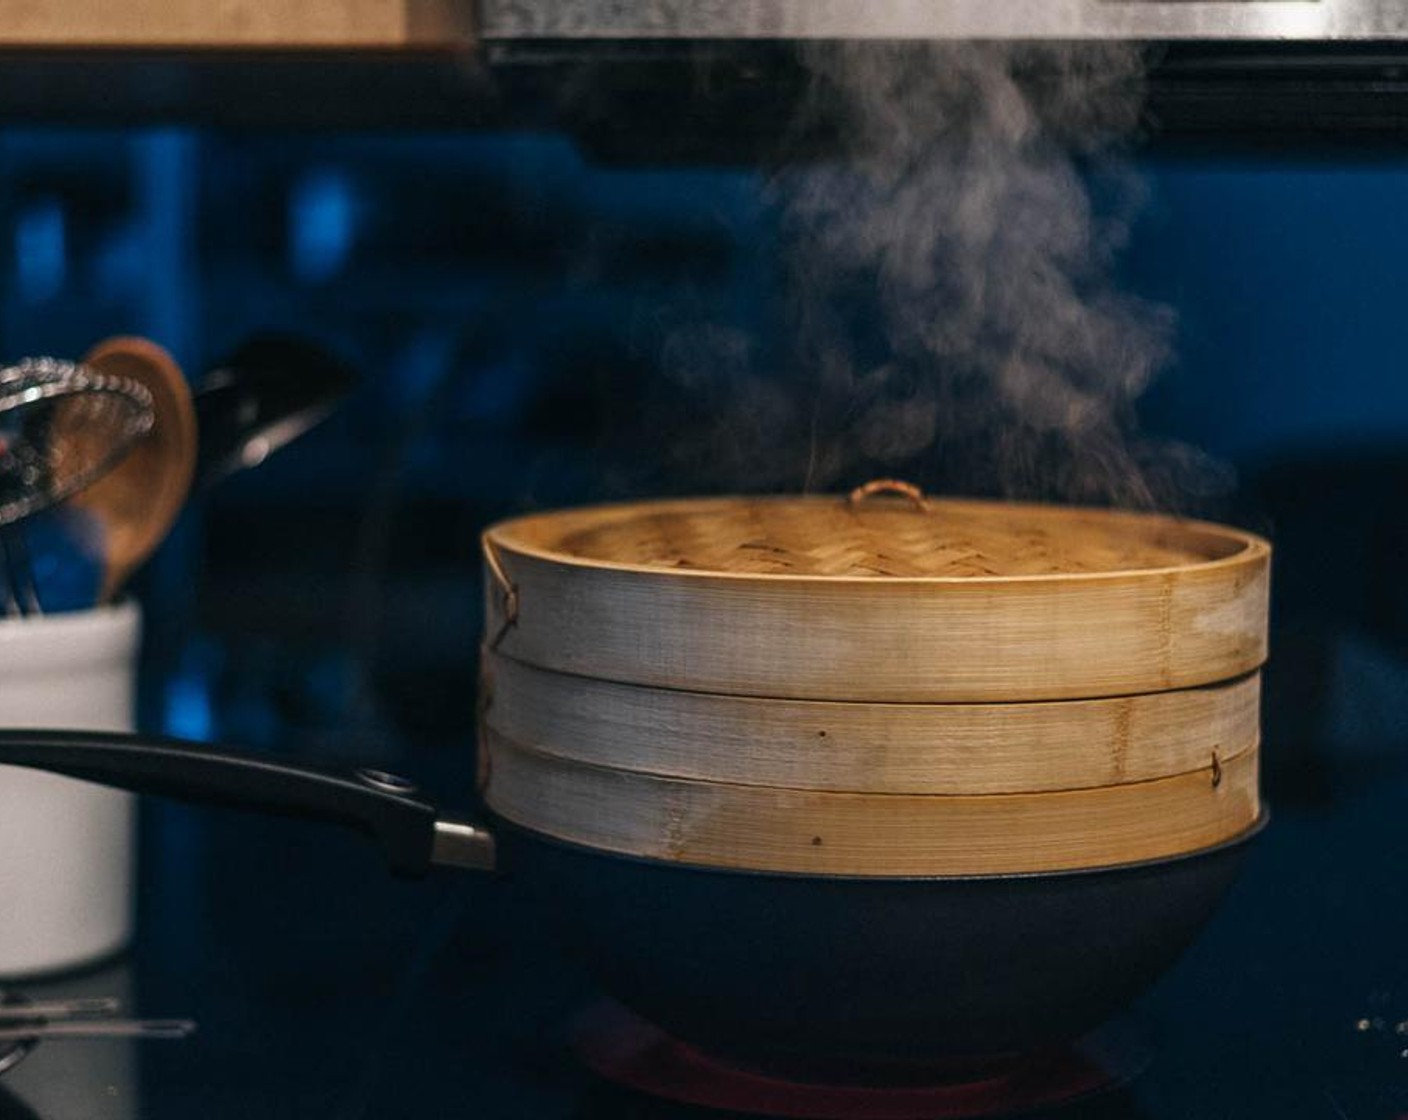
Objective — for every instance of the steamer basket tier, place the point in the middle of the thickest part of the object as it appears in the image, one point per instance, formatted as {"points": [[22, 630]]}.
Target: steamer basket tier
{"points": [[886, 600], [870, 747], [757, 828]]}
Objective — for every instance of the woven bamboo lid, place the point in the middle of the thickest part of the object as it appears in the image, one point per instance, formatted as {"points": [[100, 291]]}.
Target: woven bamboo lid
{"points": [[878, 598], [872, 540]]}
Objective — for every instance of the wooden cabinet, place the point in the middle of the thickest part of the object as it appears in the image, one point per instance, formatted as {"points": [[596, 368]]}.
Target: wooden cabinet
{"points": [[235, 24]]}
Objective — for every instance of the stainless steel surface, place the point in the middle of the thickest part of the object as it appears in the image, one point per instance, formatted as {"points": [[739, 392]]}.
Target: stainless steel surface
{"points": [[25, 1022], [945, 19], [49, 1010], [100, 1028], [462, 844]]}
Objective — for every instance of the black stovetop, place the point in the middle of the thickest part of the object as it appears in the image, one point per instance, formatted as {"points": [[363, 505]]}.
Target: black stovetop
{"points": [[324, 988]]}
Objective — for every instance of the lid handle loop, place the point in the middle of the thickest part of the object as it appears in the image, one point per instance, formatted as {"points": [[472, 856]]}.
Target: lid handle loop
{"points": [[890, 486]]}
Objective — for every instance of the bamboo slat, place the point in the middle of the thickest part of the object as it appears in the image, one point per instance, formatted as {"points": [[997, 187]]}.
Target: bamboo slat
{"points": [[879, 835], [870, 747], [812, 598]]}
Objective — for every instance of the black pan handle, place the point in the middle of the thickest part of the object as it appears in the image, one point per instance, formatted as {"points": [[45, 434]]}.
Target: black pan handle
{"points": [[413, 836]]}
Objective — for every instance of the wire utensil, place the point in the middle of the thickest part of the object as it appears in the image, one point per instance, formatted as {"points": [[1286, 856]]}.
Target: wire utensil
{"points": [[63, 425], [24, 1023]]}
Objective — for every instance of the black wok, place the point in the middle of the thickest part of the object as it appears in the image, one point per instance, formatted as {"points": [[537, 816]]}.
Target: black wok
{"points": [[844, 976]]}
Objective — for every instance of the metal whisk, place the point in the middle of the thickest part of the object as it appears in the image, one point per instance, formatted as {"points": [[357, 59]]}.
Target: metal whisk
{"points": [[62, 426]]}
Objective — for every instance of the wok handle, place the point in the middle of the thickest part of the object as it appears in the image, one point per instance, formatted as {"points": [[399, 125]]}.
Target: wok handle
{"points": [[412, 835]]}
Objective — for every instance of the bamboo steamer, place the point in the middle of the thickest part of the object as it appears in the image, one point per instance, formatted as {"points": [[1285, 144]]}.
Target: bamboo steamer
{"points": [[755, 828], [869, 747], [880, 600], [883, 688]]}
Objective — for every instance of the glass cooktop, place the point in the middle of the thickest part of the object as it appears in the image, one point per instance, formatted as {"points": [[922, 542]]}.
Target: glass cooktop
{"points": [[325, 988]]}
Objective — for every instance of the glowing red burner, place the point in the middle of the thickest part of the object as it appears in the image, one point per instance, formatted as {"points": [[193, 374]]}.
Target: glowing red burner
{"points": [[627, 1050]]}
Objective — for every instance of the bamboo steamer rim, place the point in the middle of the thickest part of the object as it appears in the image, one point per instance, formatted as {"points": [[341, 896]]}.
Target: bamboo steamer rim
{"points": [[517, 536], [1259, 825], [933, 638]]}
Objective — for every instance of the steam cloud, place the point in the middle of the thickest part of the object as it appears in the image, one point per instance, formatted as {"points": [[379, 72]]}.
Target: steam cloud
{"points": [[950, 276]]}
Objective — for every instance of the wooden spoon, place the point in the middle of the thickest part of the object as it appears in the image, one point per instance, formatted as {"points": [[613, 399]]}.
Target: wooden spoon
{"points": [[138, 501]]}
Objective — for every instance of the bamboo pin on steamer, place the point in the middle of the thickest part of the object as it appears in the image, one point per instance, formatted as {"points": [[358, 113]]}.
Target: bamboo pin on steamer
{"points": [[882, 600], [870, 747]]}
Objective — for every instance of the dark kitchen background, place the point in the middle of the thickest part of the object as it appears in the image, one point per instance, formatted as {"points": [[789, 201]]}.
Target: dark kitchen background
{"points": [[507, 302], [507, 298]]}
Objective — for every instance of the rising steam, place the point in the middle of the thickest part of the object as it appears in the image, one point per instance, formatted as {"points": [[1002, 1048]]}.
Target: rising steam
{"points": [[951, 284]]}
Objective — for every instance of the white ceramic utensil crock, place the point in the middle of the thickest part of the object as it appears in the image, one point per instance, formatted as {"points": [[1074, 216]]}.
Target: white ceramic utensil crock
{"points": [[67, 875]]}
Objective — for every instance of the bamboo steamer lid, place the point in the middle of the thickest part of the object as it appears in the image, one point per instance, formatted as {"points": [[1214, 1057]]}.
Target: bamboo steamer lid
{"points": [[756, 828], [878, 598], [869, 747]]}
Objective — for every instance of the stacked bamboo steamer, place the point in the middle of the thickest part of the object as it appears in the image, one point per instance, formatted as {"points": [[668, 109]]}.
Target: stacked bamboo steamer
{"points": [[877, 685]]}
